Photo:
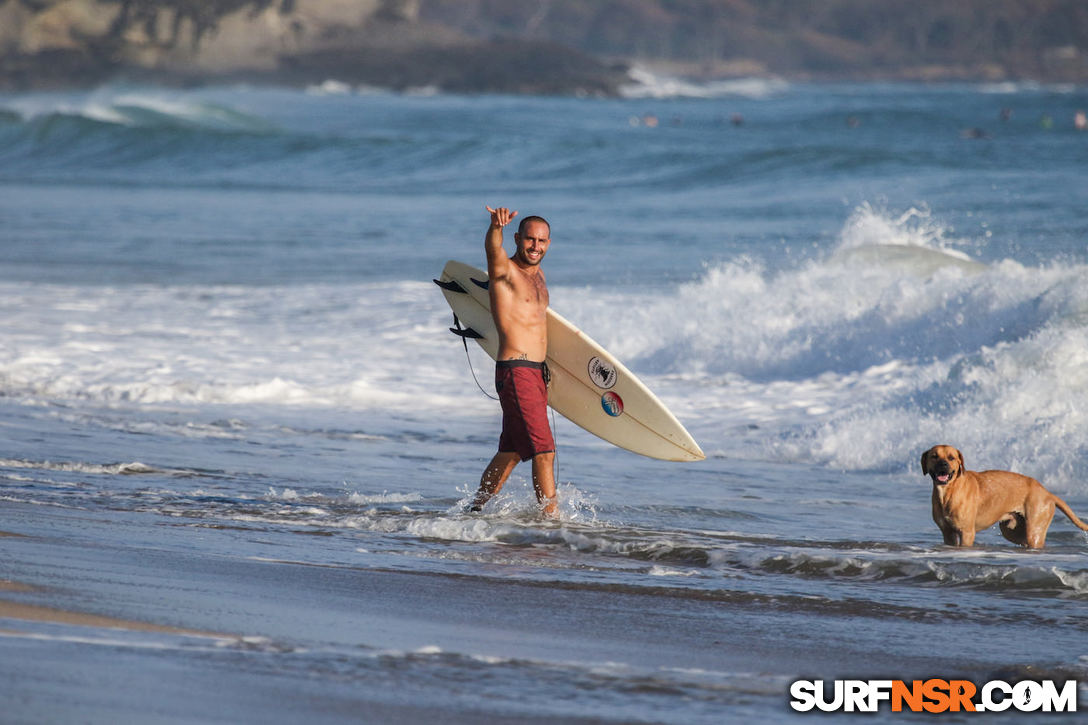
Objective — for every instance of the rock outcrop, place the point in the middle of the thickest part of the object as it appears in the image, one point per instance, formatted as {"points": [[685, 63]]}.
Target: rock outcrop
{"points": [[47, 43]]}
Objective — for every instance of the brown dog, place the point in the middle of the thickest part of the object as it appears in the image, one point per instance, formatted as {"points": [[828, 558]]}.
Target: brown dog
{"points": [[968, 501]]}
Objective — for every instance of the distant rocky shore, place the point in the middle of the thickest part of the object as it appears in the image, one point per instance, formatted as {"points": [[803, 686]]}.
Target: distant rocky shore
{"points": [[66, 43], [523, 46]]}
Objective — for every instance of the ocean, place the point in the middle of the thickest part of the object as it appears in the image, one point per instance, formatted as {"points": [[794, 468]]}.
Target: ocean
{"points": [[237, 439]]}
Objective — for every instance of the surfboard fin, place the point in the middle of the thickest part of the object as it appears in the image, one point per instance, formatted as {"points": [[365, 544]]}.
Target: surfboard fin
{"points": [[466, 332], [452, 286], [478, 283]]}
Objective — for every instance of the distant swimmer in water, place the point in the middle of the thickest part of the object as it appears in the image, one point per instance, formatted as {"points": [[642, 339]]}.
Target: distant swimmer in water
{"points": [[1080, 121], [519, 306], [974, 133]]}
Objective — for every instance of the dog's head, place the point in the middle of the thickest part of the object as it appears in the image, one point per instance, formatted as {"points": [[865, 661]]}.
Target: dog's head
{"points": [[943, 464]]}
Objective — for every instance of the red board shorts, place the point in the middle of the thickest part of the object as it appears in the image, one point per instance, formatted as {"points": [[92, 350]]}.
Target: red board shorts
{"points": [[523, 394]]}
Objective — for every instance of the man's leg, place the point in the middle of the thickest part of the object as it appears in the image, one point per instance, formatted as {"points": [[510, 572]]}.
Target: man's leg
{"points": [[494, 477], [544, 484]]}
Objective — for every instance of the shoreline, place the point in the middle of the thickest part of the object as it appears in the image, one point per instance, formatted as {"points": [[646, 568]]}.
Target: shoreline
{"points": [[458, 71], [48, 615], [40, 613], [51, 615]]}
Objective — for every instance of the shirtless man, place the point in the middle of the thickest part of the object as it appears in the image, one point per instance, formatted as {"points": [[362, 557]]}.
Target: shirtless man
{"points": [[519, 305]]}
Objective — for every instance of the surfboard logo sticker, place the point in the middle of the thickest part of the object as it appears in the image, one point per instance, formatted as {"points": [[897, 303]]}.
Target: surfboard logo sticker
{"points": [[612, 404], [602, 373]]}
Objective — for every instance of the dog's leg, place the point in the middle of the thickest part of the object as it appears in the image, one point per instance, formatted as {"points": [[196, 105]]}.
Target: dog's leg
{"points": [[956, 537], [948, 531], [1039, 515], [952, 535]]}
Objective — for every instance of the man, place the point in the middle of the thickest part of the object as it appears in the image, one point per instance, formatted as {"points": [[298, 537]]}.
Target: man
{"points": [[519, 305]]}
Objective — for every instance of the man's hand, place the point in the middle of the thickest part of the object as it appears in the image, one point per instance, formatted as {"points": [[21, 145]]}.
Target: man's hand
{"points": [[501, 217]]}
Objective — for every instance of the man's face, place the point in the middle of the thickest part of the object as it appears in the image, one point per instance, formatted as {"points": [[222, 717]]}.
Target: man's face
{"points": [[533, 243]]}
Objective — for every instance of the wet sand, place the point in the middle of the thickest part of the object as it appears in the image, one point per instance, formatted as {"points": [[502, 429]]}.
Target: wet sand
{"points": [[37, 613], [124, 631], [10, 586], [46, 614]]}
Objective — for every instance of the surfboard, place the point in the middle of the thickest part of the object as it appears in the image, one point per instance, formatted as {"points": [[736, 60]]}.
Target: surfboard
{"points": [[589, 386]]}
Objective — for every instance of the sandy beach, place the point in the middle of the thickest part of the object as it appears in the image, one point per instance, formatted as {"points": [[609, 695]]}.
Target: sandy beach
{"points": [[37, 613], [126, 629]]}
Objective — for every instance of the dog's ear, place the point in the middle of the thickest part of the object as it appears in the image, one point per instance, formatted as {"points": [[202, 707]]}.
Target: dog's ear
{"points": [[959, 457], [925, 457]]}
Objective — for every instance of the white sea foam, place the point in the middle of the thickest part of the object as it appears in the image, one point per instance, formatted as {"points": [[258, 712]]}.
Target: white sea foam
{"points": [[1076, 581], [896, 340], [645, 83], [666, 571], [80, 467], [145, 108], [330, 87], [872, 228], [385, 497], [356, 498], [227, 346], [96, 641], [1005, 87]]}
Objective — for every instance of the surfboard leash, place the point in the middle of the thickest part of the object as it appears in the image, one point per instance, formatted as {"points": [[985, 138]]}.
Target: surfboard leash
{"points": [[555, 459], [465, 334]]}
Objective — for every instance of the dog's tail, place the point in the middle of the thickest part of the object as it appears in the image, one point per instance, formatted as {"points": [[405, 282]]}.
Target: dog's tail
{"points": [[1064, 507]]}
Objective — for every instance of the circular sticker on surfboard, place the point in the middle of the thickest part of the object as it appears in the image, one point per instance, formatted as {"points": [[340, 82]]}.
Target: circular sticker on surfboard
{"points": [[612, 404], [602, 373]]}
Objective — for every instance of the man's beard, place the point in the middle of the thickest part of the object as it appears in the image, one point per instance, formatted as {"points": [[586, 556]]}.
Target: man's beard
{"points": [[524, 257]]}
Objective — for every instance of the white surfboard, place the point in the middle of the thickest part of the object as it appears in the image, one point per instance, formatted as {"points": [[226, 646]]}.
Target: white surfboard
{"points": [[589, 386]]}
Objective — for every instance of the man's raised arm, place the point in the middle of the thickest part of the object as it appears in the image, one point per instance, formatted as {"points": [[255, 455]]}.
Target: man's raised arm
{"points": [[498, 264]]}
